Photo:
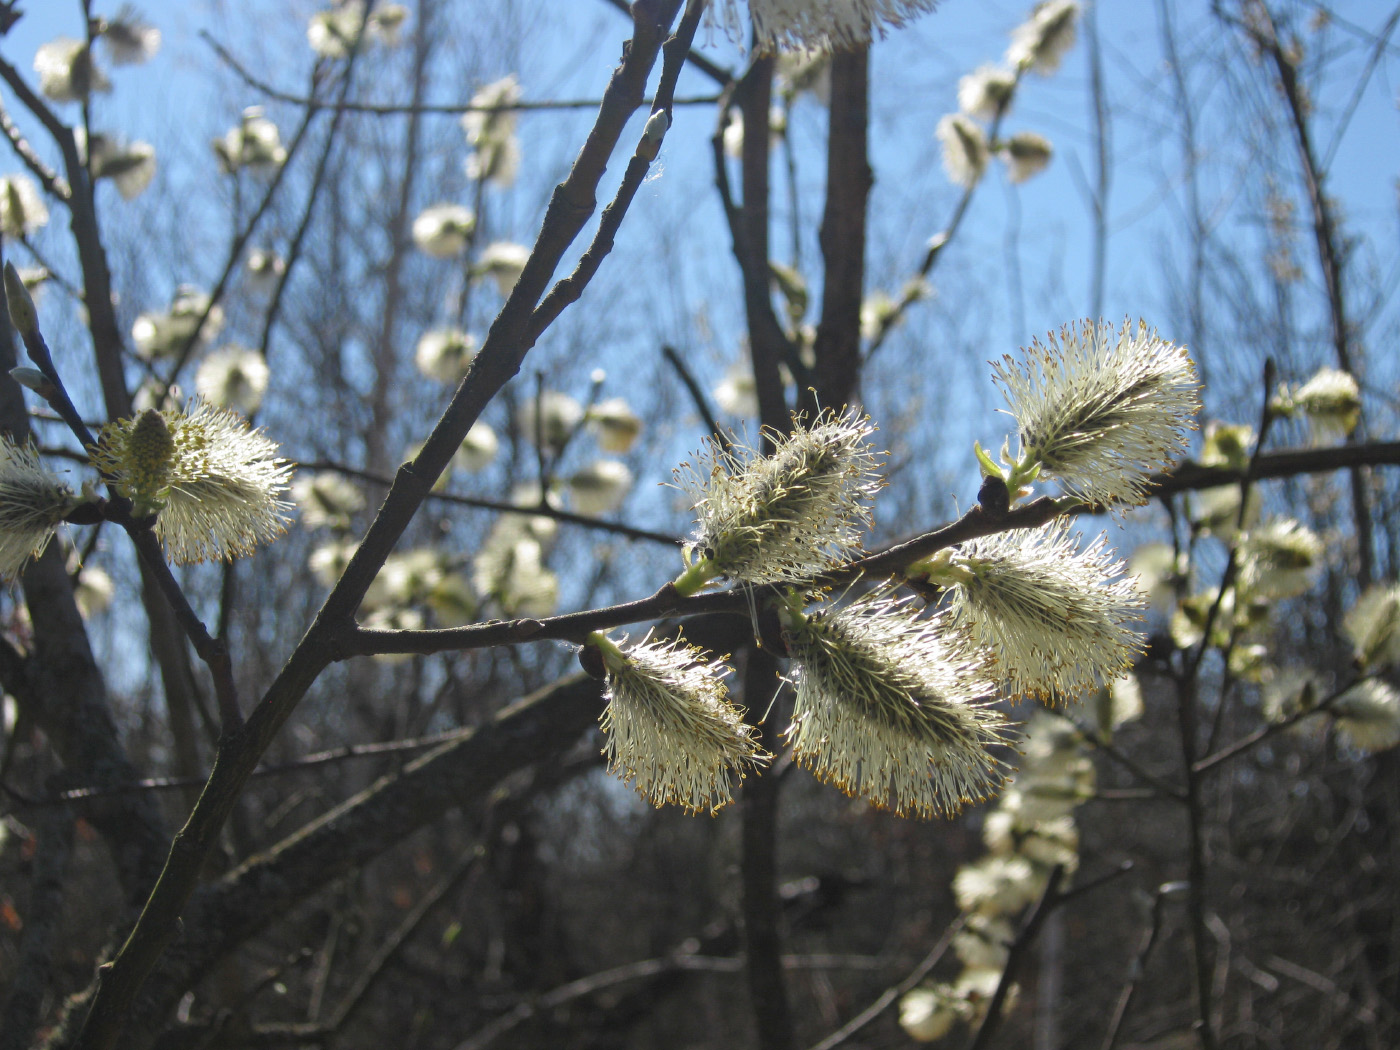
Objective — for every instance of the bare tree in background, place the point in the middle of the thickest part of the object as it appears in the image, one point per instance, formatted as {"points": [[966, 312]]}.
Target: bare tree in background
{"points": [[370, 797]]}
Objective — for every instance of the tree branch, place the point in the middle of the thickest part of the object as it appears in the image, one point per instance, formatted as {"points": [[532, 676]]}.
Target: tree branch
{"points": [[763, 942], [450, 109], [505, 346], [21, 1011], [842, 235]]}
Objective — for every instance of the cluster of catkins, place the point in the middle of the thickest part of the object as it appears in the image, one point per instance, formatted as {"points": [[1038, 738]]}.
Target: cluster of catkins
{"points": [[895, 702]]}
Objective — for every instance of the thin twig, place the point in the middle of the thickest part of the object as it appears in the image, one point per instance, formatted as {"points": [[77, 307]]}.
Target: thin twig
{"points": [[318, 178], [1160, 786], [53, 182], [891, 994], [1138, 970], [937, 243], [468, 863], [503, 350], [597, 982], [1254, 739], [568, 517], [1016, 952], [1330, 256], [386, 109], [300, 765], [697, 395], [240, 241]]}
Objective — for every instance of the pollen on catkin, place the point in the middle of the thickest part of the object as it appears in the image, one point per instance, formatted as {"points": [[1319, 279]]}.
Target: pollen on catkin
{"points": [[1055, 619], [1100, 411], [886, 712], [671, 729], [32, 502], [791, 514], [213, 483]]}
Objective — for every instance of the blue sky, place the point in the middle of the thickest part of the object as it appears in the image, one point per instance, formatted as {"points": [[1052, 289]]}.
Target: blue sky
{"points": [[1019, 268], [915, 69], [1021, 264]]}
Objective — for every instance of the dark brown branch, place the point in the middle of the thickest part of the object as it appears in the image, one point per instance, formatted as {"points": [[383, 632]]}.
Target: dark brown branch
{"points": [[505, 346], [573, 627], [763, 939], [892, 994], [842, 235], [1329, 253], [21, 1011], [1286, 463]]}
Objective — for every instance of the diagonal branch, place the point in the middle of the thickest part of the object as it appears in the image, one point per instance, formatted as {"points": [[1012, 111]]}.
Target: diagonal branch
{"points": [[891, 995], [1330, 256], [505, 346], [540, 729]]}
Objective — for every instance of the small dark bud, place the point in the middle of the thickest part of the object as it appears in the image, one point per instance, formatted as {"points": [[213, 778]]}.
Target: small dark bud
{"points": [[995, 500], [590, 658]]}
